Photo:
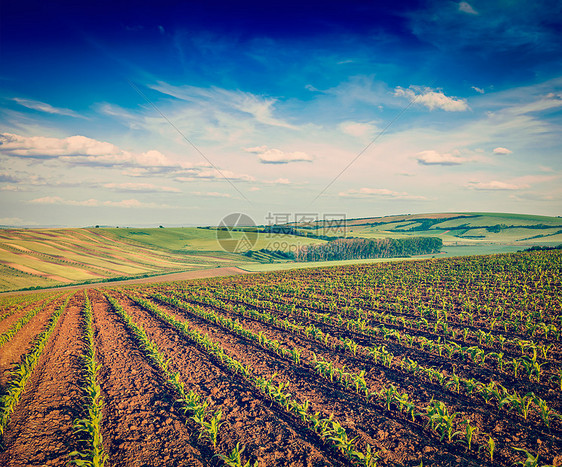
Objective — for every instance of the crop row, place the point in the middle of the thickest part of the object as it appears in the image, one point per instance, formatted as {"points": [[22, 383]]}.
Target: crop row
{"points": [[329, 429], [326, 368], [89, 427], [380, 355], [520, 288], [440, 326], [21, 371], [14, 304], [455, 431], [191, 402], [26, 318], [531, 366]]}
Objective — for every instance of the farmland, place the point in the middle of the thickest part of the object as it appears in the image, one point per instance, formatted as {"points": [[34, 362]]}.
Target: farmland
{"points": [[451, 361], [54, 257], [41, 258]]}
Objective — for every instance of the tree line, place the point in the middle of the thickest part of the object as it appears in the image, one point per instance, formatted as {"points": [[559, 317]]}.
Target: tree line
{"points": [[361, 248]]}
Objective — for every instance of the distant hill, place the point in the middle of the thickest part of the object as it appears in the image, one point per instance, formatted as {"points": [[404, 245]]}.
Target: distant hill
{"points": [[51, 257], [462, 228]]}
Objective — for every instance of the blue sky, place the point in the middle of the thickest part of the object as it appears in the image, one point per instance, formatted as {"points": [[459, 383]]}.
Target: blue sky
{"points": [[168, 112]]}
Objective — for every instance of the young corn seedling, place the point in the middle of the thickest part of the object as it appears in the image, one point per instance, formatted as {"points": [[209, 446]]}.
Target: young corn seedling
{"points": [[296, 355], [557, 378], [531, 461], [210, 429], [491, 447], [95, 456], [234, 459], [545, 412], [469, 432]]}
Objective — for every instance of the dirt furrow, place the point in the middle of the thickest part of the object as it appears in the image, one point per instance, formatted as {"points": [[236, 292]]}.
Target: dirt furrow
{"points": [[487, 417], [20, 344], [40, 430], [270, 436], [463, 368], [140, 426], [374, 426], [9, 321]]}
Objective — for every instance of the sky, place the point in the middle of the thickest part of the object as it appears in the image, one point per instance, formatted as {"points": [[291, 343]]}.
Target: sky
{"points": [[180, 113]]}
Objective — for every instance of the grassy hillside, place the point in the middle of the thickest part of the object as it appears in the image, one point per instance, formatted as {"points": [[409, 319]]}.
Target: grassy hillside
{"points": [[460, 229], [51, 257]]}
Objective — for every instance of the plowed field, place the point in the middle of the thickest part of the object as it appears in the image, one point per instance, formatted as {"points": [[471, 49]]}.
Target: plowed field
{"points": [[435, 363]]}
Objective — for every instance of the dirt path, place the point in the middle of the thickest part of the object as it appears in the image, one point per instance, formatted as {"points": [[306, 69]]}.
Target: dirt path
{"points": [[269, 434], [176, 276], [141, 426], [40, 430]]}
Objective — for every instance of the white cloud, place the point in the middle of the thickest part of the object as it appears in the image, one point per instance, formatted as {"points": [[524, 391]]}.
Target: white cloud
{"points": [[140, 187], [549, 101], [379, 192], [358, 129], [81, 150], [501, 150], [432, 99], [478, 90], [432, 157], [211, 194], [276, 156], [465, 7], [69, 202], [496, 185], [280, 181], [126, 203], [214, 174], [43, 107]]}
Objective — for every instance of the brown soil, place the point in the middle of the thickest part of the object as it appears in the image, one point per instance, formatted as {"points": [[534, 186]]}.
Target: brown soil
{"points": [[20, 344], [141, 426], [399, 439], [40, 429], [270, 435]]}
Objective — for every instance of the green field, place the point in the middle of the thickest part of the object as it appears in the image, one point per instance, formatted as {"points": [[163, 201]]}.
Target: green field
{"points": [[52, 257], [472, 228]]}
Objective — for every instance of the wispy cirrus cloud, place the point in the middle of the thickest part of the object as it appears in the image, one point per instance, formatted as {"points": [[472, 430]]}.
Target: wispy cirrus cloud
{"points": [[92, 202], [260, 108], [379, 192], [47, 108], [496, 185]]}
